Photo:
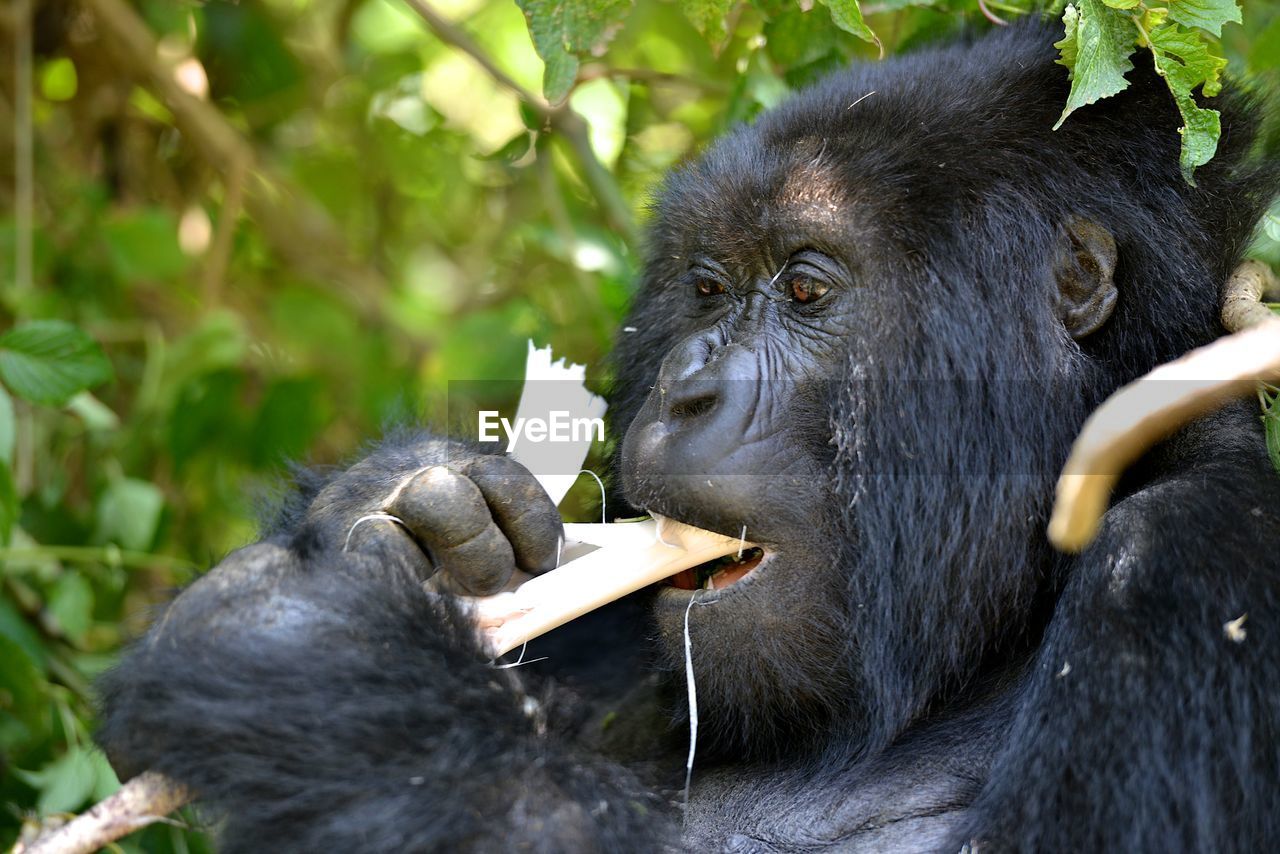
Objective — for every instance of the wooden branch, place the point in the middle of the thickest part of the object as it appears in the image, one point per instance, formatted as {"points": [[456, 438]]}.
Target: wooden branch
{"points": [[631, 555], [145, 799], [1149, 409], [1241, 304]]}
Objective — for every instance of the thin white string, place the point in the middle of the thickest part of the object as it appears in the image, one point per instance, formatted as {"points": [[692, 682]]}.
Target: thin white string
{"points": [[385, 517], [603, 516], [742, 541], [693, 701], [395, 493], [519, 662]]}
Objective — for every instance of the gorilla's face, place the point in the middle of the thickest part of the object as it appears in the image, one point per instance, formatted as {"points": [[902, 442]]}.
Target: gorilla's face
{"points": [[759, 302]]}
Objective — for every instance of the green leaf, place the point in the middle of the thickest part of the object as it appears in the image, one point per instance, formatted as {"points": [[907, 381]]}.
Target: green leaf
{"points": [[48, 361], [96, 416], [14, 626], [515, 149], [846, 15], [66, 783], [143, 246], [708, 17], [9, 505], [1271, 226], [564, 31], [1264, 53], [1271, 422], [58, 79], [8, 427], [1096, 50], [293, 412], [1121, 4], [22, 687], [1183, 59], [128, 514], [1206, 14], [71, 604], [795, 38]]}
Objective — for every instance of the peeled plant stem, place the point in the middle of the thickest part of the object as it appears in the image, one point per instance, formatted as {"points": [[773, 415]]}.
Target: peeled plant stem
{"points": [[631, 555], [1144, 412]]}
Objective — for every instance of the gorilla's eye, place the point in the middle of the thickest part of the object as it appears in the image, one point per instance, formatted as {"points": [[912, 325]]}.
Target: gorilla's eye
{"points": [[707, 287], [806, 289]]}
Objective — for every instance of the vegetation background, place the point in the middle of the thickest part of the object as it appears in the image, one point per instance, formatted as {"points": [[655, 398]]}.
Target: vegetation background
{"points": [[234, 234]]}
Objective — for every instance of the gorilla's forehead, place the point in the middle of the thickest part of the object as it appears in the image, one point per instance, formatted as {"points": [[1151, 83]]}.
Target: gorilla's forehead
{"points": [[747, 201]]}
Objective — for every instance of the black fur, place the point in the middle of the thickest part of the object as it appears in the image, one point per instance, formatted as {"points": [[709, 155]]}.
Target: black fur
{"points": [[957, 680]]}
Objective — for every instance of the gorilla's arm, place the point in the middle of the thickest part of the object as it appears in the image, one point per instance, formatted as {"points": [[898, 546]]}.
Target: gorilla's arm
{"points": [[1147, 724], [320, 699]]}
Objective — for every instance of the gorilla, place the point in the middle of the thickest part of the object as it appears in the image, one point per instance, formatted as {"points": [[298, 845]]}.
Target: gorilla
{"points": [[869, 327]]}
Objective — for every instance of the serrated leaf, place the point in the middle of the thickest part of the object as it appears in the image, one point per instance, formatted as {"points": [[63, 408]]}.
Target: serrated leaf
{"points": [[1095, 48], [48, 361], [1121, 4], [847, 15], [707, 17], [1206, 14], [128, 514], [562, 32], [1183, 59]]}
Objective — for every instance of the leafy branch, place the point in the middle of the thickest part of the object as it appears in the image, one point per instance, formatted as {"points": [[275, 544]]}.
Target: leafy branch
{"points": [[1101, 36], [557, 117]]}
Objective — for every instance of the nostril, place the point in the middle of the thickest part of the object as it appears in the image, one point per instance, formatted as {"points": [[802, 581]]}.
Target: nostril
{"points": [[692, 407]]}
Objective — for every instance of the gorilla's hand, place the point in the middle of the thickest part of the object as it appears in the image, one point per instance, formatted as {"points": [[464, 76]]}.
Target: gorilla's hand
{"points": [[467, 523]]}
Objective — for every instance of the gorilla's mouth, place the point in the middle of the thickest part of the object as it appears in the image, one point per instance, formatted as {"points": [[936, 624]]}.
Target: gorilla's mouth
{"points": [[719, 573]]}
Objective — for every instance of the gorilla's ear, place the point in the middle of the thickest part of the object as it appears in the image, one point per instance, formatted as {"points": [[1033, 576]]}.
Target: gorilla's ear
{"points": [[1085, 269]]}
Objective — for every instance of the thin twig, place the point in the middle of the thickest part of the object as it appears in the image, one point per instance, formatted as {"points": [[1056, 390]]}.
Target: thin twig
{"points": [[991, 16], [559, 118], [596, 71], [23, 156], [219, 258]]}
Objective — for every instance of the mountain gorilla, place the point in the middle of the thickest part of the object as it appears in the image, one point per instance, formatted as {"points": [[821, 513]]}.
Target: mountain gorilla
{"points": [[870, 326]]}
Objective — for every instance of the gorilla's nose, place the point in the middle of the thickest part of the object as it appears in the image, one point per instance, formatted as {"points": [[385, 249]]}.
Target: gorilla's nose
{"points": [[700, 381], [700, 408]]}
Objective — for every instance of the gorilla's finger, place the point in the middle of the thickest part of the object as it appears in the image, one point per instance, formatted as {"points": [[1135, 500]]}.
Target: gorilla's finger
{"points": [[522, 509], [447, 513], [385, 538]]}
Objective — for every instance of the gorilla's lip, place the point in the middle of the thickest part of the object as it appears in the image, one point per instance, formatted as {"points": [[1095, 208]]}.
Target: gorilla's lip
{"points": [[674, 596], [721, 573], [734, 572]]}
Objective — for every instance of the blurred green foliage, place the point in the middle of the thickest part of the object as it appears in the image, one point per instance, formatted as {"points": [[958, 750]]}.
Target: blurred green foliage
{"points": [[365, 203]]}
